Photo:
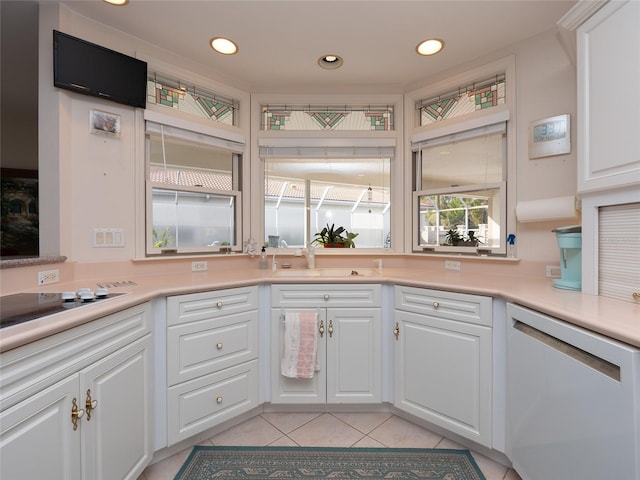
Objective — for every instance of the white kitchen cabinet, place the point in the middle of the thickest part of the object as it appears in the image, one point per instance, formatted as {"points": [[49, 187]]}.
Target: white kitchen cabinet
{"points": [[212, 351], [102, 371], [443, 360], [349, 350], [608, 74]]}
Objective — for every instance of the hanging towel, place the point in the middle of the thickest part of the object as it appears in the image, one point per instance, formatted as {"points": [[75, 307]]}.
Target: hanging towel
{"points": [[300, 345]]}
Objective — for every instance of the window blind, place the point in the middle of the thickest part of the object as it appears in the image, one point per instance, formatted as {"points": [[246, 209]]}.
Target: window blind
{"points": [[193, 137], [500, 127], [619, 251], [326, 152]]}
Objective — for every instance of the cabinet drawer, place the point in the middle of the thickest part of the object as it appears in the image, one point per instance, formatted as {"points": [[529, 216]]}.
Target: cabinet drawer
{"points": [[200, 306], [198, 348], [200, 404], [333, 295], [37, 365], [454, 306]]}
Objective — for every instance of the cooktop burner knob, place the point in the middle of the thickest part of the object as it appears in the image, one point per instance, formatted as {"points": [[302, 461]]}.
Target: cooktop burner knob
{"points": [[101, 292], [87, 296], [68, 296]]}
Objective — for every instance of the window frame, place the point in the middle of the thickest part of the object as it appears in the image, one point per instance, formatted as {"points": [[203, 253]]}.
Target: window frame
{"points": [[333, 138], [417, 247], [310, 205], [419, 134], [209, 135]]}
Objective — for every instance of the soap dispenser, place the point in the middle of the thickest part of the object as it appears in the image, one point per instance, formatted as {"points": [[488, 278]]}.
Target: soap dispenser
{"points": [[263, 259]]}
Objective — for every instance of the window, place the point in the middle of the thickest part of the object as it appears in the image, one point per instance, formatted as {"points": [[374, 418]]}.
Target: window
{"points": [[460, 195], [193, 196], [184, 97], [309, 188]]}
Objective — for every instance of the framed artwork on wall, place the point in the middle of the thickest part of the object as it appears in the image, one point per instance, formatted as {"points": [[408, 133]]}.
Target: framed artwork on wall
{"points": [[19, 220], [104, 123]]}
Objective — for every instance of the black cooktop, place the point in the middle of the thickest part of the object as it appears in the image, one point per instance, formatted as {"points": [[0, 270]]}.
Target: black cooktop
{"points": [[22, 307]]}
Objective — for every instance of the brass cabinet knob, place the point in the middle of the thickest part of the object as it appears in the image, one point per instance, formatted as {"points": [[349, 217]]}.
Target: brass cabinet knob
{"points": [[636, 295], [321, 328], [326, 296], [396, 330], [218, 400], [330, 329], [90, 404], [436, 305], [219, 345], [76, 413], [219, 304]]}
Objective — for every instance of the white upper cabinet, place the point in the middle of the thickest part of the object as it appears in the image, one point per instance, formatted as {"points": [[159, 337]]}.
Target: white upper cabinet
{"points": [[608, 62]]}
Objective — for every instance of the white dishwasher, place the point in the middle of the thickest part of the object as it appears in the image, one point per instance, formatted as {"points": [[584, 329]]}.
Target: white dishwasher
{"points": [[573, 401]]}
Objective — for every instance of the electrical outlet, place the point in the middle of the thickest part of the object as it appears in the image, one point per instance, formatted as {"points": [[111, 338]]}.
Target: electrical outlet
{"points": [[553, 271], [198, 266], [452, 265], [47, 277]]}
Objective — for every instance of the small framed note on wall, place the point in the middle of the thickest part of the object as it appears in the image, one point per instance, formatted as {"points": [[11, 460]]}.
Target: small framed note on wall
{"points": [[550, 136], [104, 123]]}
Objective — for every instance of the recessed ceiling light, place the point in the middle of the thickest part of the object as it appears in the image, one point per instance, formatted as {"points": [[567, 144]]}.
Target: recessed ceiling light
{"points": [[330, 62], [223, 45], [430, 46], [117, 2]]}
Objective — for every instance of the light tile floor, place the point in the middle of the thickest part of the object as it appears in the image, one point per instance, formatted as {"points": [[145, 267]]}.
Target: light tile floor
{"points": [[328, 430]]}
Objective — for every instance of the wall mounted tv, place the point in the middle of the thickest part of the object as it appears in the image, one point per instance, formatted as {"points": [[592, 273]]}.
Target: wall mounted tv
{"points": [[90, 69]]}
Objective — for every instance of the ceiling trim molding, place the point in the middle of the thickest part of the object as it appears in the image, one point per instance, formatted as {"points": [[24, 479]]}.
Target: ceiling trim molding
{"points": [[580, 13]]}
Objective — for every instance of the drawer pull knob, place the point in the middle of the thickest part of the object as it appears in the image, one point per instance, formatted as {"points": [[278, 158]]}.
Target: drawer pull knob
{"points": [[636, 295], [219, 304], [436, 305], [219, 345], [326, 296], [218, 399]]}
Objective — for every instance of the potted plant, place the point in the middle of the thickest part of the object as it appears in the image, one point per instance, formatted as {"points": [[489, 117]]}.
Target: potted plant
{"points": [[332, 237], [163, 239], [455, 239]]}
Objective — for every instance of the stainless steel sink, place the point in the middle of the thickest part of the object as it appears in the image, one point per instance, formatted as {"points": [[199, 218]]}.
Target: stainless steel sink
{"points": [[328, 272]]}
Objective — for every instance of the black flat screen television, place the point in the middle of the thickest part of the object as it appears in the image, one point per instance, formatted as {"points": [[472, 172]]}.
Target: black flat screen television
{"points": [[91, 69]]}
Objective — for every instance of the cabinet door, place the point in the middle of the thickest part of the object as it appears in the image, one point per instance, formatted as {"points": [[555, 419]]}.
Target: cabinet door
{"points": [[354, 361], [608, 120], [296, 390], [443, 374], [37, 439], [117, 431]]}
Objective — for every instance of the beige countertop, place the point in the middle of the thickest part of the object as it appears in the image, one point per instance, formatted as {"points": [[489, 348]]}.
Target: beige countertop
{"points": [[616, 319]]}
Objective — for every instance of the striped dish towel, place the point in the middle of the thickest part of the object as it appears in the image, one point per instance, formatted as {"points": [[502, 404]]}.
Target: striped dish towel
{"points": [[300, 345]]}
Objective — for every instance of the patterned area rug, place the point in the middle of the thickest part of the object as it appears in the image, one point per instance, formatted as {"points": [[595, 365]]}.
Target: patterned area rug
{"points": [[284, 463]]}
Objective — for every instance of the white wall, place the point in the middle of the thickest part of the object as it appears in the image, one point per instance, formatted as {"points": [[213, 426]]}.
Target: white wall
{"points": [[100, 187], [546, 86]]}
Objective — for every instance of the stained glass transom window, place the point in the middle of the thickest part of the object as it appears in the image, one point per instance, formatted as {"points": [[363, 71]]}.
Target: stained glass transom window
{"points": [[190, 99], [327, 118], [478, 96]]}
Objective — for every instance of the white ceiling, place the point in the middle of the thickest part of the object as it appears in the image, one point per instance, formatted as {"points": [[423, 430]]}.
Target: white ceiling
{"points": [[281, 41]]}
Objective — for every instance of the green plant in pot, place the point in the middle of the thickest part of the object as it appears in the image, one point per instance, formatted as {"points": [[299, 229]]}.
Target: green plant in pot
{"points": [[332, 237], [454, 238]]}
